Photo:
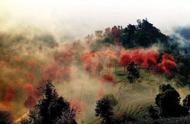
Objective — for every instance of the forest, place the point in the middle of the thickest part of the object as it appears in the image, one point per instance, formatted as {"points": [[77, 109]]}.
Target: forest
{"points": [[120, 75]]}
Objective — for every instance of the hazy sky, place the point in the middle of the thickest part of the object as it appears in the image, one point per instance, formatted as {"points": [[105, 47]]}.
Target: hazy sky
{"points": [[87, 15]]}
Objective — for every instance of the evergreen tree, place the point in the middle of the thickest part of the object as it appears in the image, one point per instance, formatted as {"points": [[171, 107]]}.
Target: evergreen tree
{"points": [[144, 34], [132, 72], [104, 109], [168, 100], [51, 109]]}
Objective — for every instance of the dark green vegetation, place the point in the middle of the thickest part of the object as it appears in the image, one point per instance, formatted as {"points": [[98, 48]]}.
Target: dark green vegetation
{"points": [[132, 72], [104, 109], [144, 34], [51, 109], [168, 100]]}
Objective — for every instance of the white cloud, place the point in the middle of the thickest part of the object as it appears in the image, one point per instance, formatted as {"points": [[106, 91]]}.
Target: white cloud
{"points": [[95, 14]]}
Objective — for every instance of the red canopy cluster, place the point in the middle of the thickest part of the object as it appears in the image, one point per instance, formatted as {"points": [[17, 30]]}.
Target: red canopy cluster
{"points": [[167, 64], [108, 78], [91, 62], [148, 59], [144, 58]]}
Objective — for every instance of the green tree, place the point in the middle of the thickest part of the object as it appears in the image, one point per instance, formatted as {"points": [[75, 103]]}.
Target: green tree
{"points": [[104, 109], [168, 100], [132, 72], [51, 109]]}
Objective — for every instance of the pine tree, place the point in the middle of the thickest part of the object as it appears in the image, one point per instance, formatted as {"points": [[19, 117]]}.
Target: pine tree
{"points": [[51, 109], [168, 100], [104, 109]]}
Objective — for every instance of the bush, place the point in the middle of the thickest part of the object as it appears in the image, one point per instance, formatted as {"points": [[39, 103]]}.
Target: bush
{"points": [[104, 109], [168, 100]]}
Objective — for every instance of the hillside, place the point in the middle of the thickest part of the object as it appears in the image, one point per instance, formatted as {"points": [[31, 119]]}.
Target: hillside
{"points": [[128, 64]]}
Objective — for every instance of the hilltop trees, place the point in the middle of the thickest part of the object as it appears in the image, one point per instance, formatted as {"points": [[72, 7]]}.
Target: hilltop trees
{"points": [[51, 109], [144, 34]]}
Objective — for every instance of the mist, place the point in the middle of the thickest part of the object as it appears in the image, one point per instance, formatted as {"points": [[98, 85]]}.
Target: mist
{"points": [[36, 42], [76, 18]]}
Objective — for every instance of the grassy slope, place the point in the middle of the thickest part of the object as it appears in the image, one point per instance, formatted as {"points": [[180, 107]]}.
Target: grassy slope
{"points": [[135, 98]]}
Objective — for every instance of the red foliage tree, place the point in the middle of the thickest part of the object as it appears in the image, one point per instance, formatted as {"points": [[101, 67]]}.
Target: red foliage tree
{"points": [[107, 78], [167, 64], [125, 58], [9, 95]]}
